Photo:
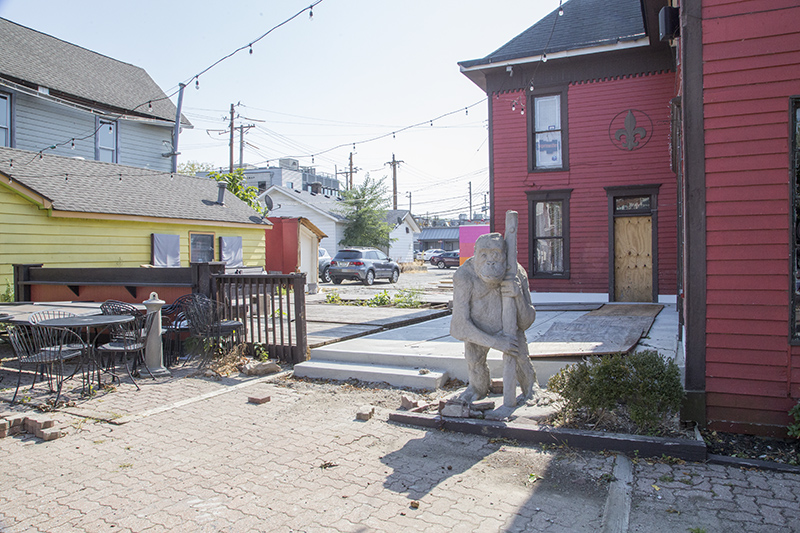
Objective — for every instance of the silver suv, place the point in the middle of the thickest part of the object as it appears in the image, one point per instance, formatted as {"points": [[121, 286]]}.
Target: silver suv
{"points": [[364, 265]]}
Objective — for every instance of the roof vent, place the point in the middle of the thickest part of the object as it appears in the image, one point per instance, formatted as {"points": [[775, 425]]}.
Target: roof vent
{"points": [[221, 192]]}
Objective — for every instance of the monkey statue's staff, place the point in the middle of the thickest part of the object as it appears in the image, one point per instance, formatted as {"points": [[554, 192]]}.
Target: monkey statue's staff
{"points": [[510, 313]]}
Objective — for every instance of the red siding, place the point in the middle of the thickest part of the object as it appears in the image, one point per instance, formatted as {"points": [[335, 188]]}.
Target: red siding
{"points": [[594, 163], [283, 245], [751, 54]]}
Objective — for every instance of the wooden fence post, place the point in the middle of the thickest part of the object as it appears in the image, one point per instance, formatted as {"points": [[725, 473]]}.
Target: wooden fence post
{"points": [[22, 293], [301, 348]]}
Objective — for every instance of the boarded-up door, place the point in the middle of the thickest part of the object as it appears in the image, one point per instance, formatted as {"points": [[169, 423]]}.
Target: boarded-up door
{"points": [[633, 259]]}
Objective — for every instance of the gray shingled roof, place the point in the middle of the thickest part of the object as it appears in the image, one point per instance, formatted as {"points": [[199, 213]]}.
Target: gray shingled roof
{"points": [[42, 60], [585, 24], [328, 204], [97, 187], [395, 216]]}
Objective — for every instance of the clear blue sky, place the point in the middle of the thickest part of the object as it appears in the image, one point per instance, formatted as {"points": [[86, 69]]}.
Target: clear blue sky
{"points": [[359, 69]]}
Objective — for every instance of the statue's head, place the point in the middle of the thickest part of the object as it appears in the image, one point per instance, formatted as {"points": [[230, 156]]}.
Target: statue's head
{"points": [[490, 258]]}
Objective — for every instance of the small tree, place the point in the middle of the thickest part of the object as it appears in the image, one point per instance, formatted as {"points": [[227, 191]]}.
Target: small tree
{"points": [[191, 168], [236, 183], [365, 209]]}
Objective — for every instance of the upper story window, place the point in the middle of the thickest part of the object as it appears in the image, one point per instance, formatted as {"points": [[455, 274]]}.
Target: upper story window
{"points": [[548, 123], [106, 141], [5, 119]]}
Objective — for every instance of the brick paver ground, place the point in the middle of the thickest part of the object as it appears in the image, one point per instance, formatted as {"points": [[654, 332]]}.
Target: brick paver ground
{"points": [[194, 455], [713, 498]]}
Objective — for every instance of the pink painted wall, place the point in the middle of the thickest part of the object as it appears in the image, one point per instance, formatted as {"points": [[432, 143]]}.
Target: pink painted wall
{"points": [[467, 235]]}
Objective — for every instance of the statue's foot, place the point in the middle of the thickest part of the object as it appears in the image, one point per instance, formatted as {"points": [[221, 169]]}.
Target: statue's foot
{"points": [[500, 413], [470, 395]]}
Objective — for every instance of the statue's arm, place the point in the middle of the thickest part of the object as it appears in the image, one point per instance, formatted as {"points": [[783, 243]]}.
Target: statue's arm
{"points": [[526, 313], [516, 287], [461, 325]]}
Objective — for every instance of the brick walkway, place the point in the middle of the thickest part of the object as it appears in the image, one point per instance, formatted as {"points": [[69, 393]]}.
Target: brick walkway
{"points": [[194, 455]]}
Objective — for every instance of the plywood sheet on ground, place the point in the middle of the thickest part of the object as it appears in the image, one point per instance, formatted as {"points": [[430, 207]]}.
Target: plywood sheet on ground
{"points": [[568, 306], [598, 332], [326, 323], [650, 310], [374, 316], [322, 333]]}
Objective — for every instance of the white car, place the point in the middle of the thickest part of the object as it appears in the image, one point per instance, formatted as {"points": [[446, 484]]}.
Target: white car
{"points": [[427, 254]]}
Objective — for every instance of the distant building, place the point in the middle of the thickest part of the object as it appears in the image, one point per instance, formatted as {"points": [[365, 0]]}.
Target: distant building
{"points": [[445, 238], [291, 175]]}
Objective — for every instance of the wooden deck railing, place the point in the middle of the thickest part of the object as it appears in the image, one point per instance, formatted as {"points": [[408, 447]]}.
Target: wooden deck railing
{"points": [[272, 308]]}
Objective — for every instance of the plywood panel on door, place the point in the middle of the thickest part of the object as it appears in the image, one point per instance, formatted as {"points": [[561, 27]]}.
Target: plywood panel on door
{"points": [[633, 259]]}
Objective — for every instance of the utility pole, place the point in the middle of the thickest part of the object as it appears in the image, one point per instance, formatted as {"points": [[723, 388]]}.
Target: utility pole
{"points": [[409, 200], [394, 164], [176, 132], [470, 201], [342, 173], [351, 172], [242, 129], [231, 143]]}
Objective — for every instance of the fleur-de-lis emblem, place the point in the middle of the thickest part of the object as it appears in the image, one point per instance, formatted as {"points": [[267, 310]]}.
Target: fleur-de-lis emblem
{"points": [[630, 132]]}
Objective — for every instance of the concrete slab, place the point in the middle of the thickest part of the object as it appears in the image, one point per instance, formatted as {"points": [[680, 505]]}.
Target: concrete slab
{"points": [[396, 376], [429, 345]]}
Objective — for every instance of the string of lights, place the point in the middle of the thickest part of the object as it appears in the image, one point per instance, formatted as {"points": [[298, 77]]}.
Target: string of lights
{"points": [[196, 78], [543, 60], [305, 152]]}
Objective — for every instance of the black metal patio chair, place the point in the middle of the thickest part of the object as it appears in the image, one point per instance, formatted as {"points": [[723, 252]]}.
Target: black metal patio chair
{"points": [[46, 349], [208, 325], [129, 340], [174, 326]]}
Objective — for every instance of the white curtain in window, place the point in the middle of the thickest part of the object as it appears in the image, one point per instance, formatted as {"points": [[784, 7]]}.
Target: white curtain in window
{"points": [[166, 250], [230, 249]]}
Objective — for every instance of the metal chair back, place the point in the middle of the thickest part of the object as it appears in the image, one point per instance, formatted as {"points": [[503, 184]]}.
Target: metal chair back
{"points": [[37, 317], [115, 307], [129, 339], [47, 348]]}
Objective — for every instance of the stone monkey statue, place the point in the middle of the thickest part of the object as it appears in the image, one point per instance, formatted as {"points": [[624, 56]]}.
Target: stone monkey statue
{"points": [[479, 286]]}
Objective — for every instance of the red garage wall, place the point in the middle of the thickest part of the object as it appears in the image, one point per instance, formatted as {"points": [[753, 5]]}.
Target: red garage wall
{"points": [[282, 245], [751, 58], [594, 163]]}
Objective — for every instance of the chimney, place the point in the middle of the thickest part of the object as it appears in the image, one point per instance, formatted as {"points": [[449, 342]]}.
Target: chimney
{"points": [[221, 185], [316, 187]]}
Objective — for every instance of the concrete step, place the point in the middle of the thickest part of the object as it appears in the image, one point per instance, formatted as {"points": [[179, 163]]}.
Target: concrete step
{"points": [[454, 365], [393, 375]]}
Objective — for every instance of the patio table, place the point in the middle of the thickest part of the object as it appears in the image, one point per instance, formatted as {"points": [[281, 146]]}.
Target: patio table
{"points": [[98, 323]]}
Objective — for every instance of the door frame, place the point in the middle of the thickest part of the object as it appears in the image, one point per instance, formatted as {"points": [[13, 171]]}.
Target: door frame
{"points": [[624, 191]]}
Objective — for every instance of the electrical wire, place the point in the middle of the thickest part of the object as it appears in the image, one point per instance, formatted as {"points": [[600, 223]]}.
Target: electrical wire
{"points": [[196, 77]]}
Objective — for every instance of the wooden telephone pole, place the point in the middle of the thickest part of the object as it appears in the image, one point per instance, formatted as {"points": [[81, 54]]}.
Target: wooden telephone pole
{"points": [[394, 164]]}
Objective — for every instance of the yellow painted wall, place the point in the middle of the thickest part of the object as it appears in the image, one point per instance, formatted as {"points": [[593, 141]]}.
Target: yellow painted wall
{"points": [[29, 235]]}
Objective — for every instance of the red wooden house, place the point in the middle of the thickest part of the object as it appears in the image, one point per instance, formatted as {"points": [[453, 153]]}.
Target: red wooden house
{"points": [[579, 115], [739, 96]]}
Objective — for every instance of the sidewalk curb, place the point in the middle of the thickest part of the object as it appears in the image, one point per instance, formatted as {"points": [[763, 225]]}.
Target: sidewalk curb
{"points": [[643, 446]]}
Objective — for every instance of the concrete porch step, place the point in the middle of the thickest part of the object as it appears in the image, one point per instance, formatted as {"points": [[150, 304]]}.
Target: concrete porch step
{"points": [[393, 375]]}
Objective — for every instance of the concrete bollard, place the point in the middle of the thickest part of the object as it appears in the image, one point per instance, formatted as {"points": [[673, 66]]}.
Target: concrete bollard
{"points": [[153, 352]]}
